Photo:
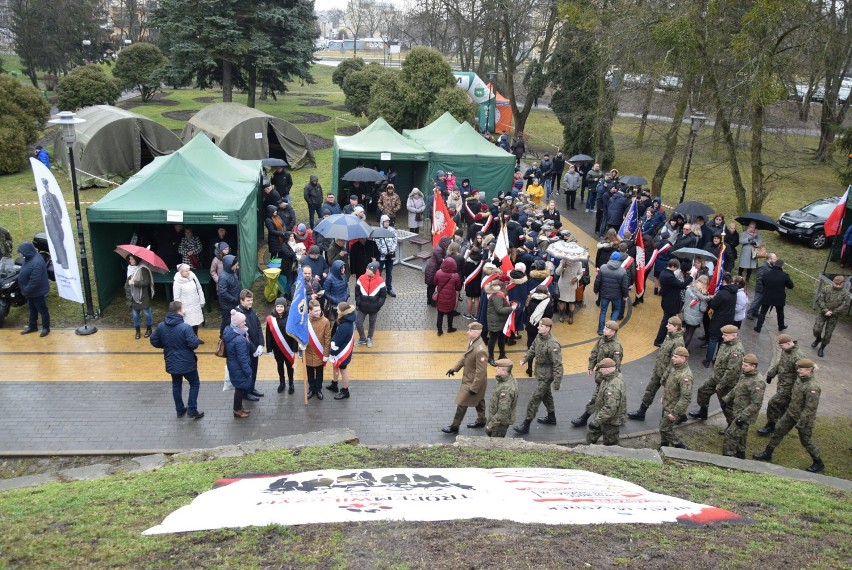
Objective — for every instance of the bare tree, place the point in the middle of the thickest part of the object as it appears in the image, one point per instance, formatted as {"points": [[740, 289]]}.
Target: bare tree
{"points": [[355, 18]]}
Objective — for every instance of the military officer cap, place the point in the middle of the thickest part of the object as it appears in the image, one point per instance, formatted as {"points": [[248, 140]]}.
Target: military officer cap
{"points": [[681, 351], [474, 326], [612, 325], [505, 363], [784, 338], [546, 322], [838, 279], [730, 329], [675, 320], [750, 358], [606, 363], [804, 363]]}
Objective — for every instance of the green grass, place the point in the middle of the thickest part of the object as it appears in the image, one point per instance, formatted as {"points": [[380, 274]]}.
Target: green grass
{"points": [[98, 523]]}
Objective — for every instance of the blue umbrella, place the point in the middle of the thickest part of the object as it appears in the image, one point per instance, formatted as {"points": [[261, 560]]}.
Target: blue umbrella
{"points": [[343, 226]]}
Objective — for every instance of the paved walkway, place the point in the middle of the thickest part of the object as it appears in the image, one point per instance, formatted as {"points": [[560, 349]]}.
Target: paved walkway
{"points": [[109, 392]]}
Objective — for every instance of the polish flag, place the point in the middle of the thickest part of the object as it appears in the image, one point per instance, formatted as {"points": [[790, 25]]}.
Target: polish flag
{"points": [[442, 222], [835, 219], [640, 265], [718, 271], [501, 251]]}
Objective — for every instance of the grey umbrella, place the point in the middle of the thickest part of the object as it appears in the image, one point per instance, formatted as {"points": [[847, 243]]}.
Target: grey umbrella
{"points": [[362, 174], [693, 252], [271, 162], [632, 180], [581, 158], [381, 232], [343, 226]]}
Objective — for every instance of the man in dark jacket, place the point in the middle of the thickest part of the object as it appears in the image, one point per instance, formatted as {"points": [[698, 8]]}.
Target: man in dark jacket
{"points": [[275, 229], [556, 172], [283, 182], [34, 284], [724, 306], [287, 214], [776, 281], [757, 300], [255, 339], [612, 287], [228, 290], [618, 204], [684, 239], [179, 342], [313, 195], [670, 289]]}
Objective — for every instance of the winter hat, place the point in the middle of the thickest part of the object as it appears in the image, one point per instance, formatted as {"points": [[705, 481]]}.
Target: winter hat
{"points": [[315, 250], [301, 230], [384, 218], [503, 278], [222, 246], [237, 318], [281, 301], [521, 266], [271, 210], [515, 274], [373, 266], [314, 178], [529, 244], [519, 184], [615, 256]]}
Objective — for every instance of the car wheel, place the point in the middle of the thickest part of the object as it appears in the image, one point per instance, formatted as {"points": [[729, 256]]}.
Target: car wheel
{"points": [[818, 240]]}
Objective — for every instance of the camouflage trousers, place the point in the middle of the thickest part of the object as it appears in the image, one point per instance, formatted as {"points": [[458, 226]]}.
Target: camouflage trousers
{"points": [[651, 390], [778, 403], [498, 431], [735, 439], [706, 391], [542, 394], [824, 327], [590, 405], [805, 435], [667, 431], [462, 410], [608, 431]]}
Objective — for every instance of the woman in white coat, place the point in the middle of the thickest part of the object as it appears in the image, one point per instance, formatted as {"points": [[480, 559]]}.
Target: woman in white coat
{"points": [[187, 289], [569, 273], [415, 206]]}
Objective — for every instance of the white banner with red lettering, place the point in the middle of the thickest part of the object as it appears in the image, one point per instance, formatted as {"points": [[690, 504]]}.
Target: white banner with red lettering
{"points": [[548, 496]]}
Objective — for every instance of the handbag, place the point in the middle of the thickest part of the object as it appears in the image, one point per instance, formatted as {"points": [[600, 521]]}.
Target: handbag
{"points": [[418, 217], [758, 252], [220, 349], [226, 383]]}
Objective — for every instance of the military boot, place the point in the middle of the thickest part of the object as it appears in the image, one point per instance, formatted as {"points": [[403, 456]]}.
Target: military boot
{"points": [[701, 414], [740, 455], [529, 370], [332, 387], [148, 331], [549, 419], [638, 414], [581, 421], [767, 429], [342, 395], [523, 427], [765, 455], [821, 351], [816, 342], [138, 334], [817, 465]]}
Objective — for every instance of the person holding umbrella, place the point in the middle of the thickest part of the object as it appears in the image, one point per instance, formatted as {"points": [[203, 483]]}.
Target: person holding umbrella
{"points": [[750, 242], [140, 288]]}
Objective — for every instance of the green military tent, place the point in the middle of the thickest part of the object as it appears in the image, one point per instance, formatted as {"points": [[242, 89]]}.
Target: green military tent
{"points": [[437, 130], [379, 144], [199, 185], [467, 154]]}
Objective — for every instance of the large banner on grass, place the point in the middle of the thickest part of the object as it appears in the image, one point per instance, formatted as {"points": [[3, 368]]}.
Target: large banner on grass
{"points": [[547, 496]]}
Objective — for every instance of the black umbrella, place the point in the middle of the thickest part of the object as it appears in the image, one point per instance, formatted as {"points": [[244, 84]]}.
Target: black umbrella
{"points": [[581, 158], [272, 162], [381, 232], [692, 210], [694, 252], [362, 174], [632, 180], [343, 226], [763, 221]]}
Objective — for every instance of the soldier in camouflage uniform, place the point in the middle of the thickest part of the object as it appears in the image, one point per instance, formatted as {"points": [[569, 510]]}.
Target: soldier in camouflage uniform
{"points": [[548, 370], [674, 339], [504, 400], [607, 346], [744, 401], [785, 370], [832, 302], [726, 373], [609, 411], [677, 392], [800, 414]]}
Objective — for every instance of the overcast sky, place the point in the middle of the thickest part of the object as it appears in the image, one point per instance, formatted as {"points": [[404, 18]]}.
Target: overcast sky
{"points": [[320, 5]]}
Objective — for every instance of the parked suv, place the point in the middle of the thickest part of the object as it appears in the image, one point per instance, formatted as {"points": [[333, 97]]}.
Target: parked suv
{"points": [[808, 222]]}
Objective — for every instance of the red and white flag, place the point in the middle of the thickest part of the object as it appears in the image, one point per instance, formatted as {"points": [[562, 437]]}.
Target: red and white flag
{"points": [[835, 219], [640, 265], [442, 222], [501, 251], [718, 271], [509, 327]]}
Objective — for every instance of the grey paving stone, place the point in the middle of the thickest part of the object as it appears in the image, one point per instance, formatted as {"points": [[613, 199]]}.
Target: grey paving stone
{"points": [[27, 481], [95, 471]]}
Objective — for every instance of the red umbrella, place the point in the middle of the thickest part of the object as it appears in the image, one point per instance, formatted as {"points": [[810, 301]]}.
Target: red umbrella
{"points": [[145, 255]]}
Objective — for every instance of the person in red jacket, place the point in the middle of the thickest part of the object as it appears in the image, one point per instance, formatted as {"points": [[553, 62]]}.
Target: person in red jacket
{"points": [[447, 287], [370, 296]]}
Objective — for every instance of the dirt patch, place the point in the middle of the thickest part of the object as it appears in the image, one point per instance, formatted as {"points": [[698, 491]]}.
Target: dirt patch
{"points": [[348, 130], [318, 142], [12, 467], [179, 115], [302, 118], [156, 101], [208, 99], [343, 108], [315, 102]]}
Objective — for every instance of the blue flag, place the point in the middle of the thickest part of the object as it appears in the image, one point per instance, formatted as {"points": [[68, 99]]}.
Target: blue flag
{"points": [[297, 319], [631, 220]]}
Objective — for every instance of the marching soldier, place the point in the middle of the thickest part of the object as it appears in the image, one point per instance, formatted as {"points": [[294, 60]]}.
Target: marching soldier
{"points": [[548, 370], [785, 370], [609, 410], [744, 401], [726, 373], [474, 382], [677, 392], [674, 339], [831, 303], [801, 414], [504, 400], [608, 346]]}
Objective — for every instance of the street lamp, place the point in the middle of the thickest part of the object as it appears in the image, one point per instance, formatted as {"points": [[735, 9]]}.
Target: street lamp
{"points": [[488, 107], [68, 123], [86, 45], [697, 119]]}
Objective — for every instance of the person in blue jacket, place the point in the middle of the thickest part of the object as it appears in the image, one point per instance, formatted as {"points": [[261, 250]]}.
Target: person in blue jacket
{"points": [[179, 341], [42, 156], [342, 344], [228, 290], [238, 358], [35, 285], [336, 286]]}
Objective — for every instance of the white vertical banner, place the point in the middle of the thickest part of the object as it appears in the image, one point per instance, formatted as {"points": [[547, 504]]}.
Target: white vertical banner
{"points": [[60, 237]]}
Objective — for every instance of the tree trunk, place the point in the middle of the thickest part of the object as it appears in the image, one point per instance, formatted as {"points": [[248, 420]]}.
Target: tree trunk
{"points": [[671, 138], [227, 82], [252, 85], [827, 130], [646, 107], [724, 123], [758, 184]]}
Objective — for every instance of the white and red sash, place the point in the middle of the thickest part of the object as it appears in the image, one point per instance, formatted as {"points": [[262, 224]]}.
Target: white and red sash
{"points": [[627, 262], [339, 358], [474, 274], [657, 253], [314, 341], [279, 338], [486, 279], [487, 225], [509, 327], [547, 282]]}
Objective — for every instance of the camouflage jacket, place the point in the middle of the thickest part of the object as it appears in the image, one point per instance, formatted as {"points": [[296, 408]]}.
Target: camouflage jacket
{"points": [[606, 347], [677, 390], [548, 358], [785, 368], [729, 365], [611, 400], [504, 399], [747, 397], [804, 401], [834, 300], [664, 355]]}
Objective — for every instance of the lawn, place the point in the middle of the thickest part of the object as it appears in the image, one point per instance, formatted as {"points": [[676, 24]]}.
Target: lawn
{"points": [[98, 523]]}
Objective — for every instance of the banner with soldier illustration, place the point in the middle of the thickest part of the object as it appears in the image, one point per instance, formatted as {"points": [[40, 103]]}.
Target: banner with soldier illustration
{"points": [[547, 496]]}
